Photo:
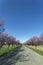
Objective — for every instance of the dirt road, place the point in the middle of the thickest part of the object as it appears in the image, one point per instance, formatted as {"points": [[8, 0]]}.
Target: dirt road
{"points": [[22, 56]]}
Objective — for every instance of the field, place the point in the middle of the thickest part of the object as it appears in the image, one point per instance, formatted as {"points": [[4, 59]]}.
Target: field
{"points": [[38, 49], [5, 49]]}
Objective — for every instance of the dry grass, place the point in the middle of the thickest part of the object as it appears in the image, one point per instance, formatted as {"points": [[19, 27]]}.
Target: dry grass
{"points": [[38, 47]]}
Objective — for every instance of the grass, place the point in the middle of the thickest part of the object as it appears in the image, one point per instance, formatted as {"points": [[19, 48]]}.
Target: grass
{"points": [[36, 50], [5, 49]]}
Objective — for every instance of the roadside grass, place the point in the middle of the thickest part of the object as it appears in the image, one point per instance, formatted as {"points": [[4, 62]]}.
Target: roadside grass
{"points": [[5, 49], [36, 50]]}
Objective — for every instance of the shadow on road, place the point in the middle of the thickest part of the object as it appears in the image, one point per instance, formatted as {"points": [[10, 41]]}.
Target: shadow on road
{"points": [[10, 58]]}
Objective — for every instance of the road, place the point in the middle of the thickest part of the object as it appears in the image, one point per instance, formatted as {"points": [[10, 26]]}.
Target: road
{"points": [[22, 56]]}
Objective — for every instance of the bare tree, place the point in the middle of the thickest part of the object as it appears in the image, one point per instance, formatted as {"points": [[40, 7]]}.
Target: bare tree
{"points": [[1, 31]]}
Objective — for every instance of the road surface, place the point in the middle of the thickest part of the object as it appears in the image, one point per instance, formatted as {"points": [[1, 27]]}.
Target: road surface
{"points": [[22, 56]]}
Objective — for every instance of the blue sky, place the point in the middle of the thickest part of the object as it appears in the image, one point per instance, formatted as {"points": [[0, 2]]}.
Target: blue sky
{"points": [[23, 18]]}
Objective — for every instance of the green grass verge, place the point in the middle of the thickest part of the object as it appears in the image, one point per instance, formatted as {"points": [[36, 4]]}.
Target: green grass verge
{"points": [[5, 49], [36, 50]]}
